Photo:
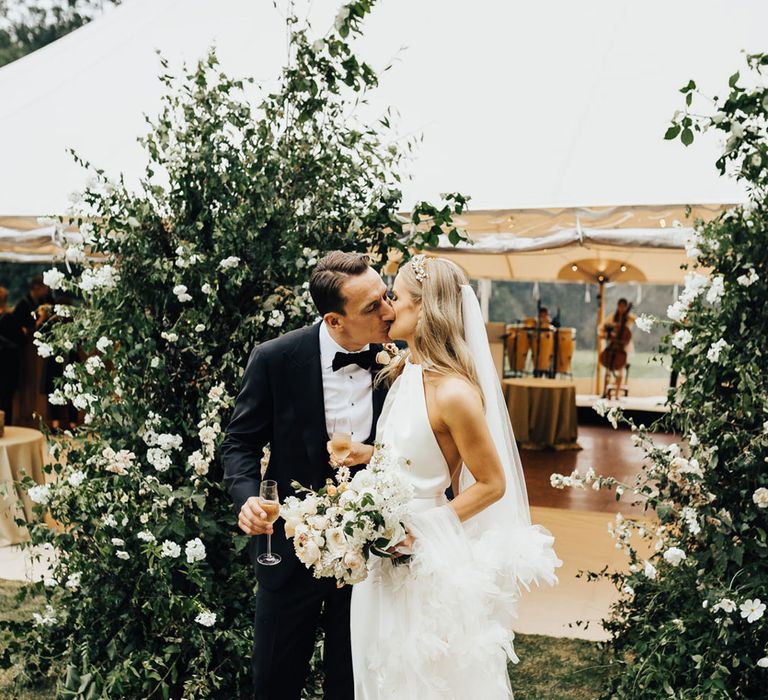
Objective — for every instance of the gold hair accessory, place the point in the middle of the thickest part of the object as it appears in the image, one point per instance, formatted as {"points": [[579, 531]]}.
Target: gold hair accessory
{"points": [[417, 262]]}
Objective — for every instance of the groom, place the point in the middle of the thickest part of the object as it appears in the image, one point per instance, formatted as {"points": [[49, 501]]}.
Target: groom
{"points": [[293, 389]]}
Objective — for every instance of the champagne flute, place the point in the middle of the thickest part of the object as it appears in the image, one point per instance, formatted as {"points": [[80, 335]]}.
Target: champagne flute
{"points": [[341, 439], [270, 504]]}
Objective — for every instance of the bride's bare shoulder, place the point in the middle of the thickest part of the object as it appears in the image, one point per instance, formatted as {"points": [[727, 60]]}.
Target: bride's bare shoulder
{"points": [[456, 395]]}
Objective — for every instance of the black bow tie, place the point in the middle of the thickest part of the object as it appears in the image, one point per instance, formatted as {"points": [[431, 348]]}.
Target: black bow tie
{"points": [[363, 359]]}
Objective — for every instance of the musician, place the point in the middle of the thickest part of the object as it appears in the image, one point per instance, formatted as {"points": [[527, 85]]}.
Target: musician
{"points": [[611, 324]]}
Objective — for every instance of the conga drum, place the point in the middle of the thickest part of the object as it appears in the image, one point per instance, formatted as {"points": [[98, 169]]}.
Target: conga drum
{"points": [[566, 344], [518, 345], [543, 348]]}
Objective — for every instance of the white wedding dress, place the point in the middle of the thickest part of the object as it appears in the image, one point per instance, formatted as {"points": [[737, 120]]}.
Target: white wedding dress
{"points": [[440, 627]]}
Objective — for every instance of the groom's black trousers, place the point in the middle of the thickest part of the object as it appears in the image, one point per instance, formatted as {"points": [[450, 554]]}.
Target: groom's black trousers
{"points": [[284, 637]]}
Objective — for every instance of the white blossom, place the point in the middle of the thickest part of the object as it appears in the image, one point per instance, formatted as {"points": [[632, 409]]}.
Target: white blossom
{"points": [[725, 604], [103, 344], [122, 554], [677, 311], [53, 278], [43, 349], [276, 318], [159, 459], [752, 610], [118, 542], [109, 520], [169, 336], [93, 363], [57, 398], [101, 277], [199, 328], [674, 556], [763, 662], [748, 279], [198, 463], [170, 549], [195, 550], [40, 494], [601, 407], [180, 290], [716, 290], [76, 478], [206, 618], [168, 442], [146, 536], [681, 338], [206, 288], [229, 263], [649, 571], [73, 581], [713, 354], [47, 619], [645, 323], [760, 497]]}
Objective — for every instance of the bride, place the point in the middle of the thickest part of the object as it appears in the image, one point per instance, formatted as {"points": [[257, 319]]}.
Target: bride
{"points": [[440, 625]]}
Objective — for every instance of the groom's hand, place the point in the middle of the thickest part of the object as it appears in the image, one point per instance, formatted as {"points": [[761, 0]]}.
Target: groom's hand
{"points": [[253, 519], [359, 453]]}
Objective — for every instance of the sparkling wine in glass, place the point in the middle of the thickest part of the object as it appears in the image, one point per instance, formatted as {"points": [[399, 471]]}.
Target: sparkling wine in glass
{"points": [[341, 439], [270, 504]]}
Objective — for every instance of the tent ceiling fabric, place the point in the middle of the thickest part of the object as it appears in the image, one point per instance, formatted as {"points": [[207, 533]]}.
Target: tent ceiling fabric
{"points": [[570, 111], [649, 241]]}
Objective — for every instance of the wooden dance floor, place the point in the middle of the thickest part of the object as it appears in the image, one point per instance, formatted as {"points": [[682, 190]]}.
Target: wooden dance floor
{"points": [[579, 521]]}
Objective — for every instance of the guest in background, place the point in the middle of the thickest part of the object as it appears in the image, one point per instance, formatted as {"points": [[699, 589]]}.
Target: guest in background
{"points": [[545, 320], [30, 313], [10, 356], [26, 311]]}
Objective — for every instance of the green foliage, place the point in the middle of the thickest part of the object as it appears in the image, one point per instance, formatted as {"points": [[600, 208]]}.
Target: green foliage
{"points": [[691, 622], [152, 591], [33, 25]]}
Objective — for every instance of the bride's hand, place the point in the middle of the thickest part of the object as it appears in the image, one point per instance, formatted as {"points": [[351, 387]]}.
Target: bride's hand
{"points": [[403, 548]]}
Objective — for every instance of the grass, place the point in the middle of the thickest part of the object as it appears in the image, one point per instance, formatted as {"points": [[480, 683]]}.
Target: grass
{"points": [[11, 610], [558, 669], [550, 668]]}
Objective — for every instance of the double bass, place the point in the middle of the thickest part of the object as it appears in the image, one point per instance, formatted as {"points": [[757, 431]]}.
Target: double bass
{"points": [[614, 355]]}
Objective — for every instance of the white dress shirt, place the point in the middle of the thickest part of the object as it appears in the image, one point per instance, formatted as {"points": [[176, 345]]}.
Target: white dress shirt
{"points": [[347, 392]]}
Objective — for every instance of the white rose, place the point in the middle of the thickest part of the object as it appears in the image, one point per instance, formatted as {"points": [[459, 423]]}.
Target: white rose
{"points": [[229, 263], [677, 311], [336, 540], [713, 354], [649, 570], [760, 497], [76, 478], [40, 494], [681, 338], [644, 323], [206, 619], [195, 550], [53, 278], [674, 556], [170, 549], [763, 663], [307, 551], [180, 290]]}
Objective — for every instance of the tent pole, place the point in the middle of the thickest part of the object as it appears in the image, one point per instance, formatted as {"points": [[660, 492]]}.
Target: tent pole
{"points": [[598, 342], [484, 287]]}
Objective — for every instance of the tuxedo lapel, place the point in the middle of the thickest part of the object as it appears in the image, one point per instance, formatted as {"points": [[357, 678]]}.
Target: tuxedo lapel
{"points": [[307, 391]]}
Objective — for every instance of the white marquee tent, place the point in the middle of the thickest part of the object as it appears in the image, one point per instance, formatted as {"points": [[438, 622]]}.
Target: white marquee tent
{"points": [[541, 106]]}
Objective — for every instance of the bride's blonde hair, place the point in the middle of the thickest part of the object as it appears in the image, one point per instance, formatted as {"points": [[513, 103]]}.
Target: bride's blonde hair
{"points": [[439, 335]]}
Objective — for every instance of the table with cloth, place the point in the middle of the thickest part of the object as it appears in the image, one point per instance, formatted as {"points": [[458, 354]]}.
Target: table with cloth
{"points": [[543, 412], [22, 451]]}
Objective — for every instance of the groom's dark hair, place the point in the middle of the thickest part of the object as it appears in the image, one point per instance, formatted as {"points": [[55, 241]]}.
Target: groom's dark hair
{"points": [[329, 275]]}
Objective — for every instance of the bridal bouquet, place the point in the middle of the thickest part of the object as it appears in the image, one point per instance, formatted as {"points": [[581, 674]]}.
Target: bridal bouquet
{"points": [[337, 528]]}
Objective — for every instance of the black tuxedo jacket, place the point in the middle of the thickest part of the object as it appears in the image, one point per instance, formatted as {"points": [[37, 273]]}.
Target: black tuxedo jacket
{"points": [[281, 403]]}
